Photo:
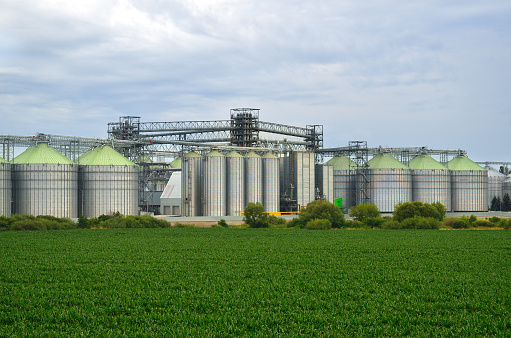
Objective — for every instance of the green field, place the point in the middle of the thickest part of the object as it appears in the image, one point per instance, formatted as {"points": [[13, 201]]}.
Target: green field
{"points": [[255, 282]]}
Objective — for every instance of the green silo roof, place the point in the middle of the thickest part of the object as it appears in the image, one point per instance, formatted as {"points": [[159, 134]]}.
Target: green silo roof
{"points": [[464, 163], [214, 153], [233, 154], [385, 161], [252, 155], [341, 163], [3, 161], [41, 153], [176, 163], [269, 155], [103, 155], [192, 154], [425, 162]]}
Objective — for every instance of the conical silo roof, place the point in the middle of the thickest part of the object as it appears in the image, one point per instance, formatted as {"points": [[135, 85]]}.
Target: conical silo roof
{"points": [[269, 155], [385, 161], [233, 154], [464, 163], [103, 155], [252, 155], [176, 163], [425, 162], [41, 153], [341, 163], [214, 153], [2, 160], [492, 172], [192, 154]]}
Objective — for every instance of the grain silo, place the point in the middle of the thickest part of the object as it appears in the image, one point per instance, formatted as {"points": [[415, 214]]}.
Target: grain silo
{"points": [[469, 185], [431, 181], [45, 182], [176, 163], [303, 173], [390, 182], [108, 183], [213, 184], [5, 188], [191, 184], [495, 182], [506, 187], [271, 183], [325, 182], [235, 183], [253, 178], [344, 180]]}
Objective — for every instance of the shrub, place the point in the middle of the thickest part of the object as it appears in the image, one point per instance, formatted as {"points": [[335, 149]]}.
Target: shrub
{"points": [[295, 223], [364, 211], [460, 223], [441, 209], [419, 222], [482, 223], [83, 222], [406, 210], [318, 224], [391, 224], [494, 219], [255, 217], [374, 222], [222, 223], [321, 209], [353, 224]]}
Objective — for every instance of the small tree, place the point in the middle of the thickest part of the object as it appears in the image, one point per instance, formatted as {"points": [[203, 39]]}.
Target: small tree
{"points": [[361, 212], [321, 209], [495, 204], [254, 215], [506, 202], [406, 210]]}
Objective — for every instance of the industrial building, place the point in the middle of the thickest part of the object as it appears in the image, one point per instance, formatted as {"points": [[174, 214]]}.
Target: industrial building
{"points": [[214, 168]]}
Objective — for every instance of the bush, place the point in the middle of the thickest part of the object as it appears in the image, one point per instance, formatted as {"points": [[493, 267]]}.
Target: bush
{"points": [[295, 223], [318, 224], [353, 224], [494, 219], [254, 216], [391, 224], [419, 222], [222, 223], [374, 222], [406, 210], [483, 223], [321, 209], [460, 223], [364, 211]]}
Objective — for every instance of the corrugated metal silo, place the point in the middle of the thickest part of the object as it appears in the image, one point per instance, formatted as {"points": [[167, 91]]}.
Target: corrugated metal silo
{"points": [[495, 182], [271, 183], [176, 163], [344, 181], [303, 177], [506, 187], [108, 183], [235, 183], [45, 182], [5, 188], [431, 181], [213, 185], [390, 182], [253, 178], [469, 185], [325, 182], [191, 172]]}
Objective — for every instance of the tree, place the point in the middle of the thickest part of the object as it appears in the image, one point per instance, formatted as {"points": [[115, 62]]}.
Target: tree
{"points": [[406, 210], [506, 202], [364, 211], [504, 170], [321, 209], [495, 203], [442, 210], [254, 215]]}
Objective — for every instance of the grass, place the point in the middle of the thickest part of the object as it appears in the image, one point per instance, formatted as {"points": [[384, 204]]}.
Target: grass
{"points": [[246, 282]]}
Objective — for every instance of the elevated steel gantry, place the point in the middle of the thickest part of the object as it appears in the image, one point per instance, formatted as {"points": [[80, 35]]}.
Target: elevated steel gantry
{"points": [[243, 129]]}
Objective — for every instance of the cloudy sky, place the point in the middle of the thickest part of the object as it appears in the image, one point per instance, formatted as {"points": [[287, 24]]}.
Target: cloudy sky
{"points": [[393, 73]]}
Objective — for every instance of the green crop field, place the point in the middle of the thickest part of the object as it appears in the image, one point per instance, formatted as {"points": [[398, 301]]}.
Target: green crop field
{"points": [[255, 282]]}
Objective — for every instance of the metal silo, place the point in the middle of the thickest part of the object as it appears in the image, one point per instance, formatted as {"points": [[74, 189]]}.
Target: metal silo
{"points": [[191, 184], [469, 185], [325, 182], [176, 163], [495, 182], [235, 183], [108, 183], [506, 187], [344, 180], [213, 184], [390, 182], [253, 178], [303, 173], [271, 183], [431, 181], [45, 182], [5, 188]]}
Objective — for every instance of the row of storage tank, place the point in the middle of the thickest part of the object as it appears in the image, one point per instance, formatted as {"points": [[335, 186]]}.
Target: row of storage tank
{"points": [[222, 185], [41, 181], [462, 185]]}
